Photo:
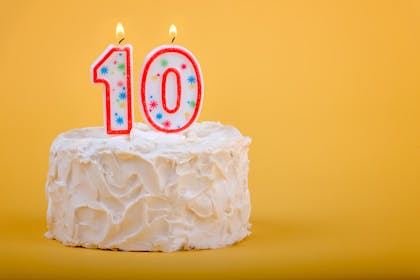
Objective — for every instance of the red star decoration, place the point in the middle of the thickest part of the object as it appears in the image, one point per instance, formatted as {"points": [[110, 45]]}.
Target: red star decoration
{"points": [[167, 124], [153, 104]]}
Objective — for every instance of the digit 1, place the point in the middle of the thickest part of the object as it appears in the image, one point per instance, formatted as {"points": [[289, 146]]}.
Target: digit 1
{"points": [[113, 69]]}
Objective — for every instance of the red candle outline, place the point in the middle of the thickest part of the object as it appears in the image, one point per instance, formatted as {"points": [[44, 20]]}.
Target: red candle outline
{"points": [[178, 90], [111, 50], [149, 61]]}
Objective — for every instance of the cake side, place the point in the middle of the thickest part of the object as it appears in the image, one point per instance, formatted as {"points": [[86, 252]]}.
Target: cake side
{"points": [[149, 191]]}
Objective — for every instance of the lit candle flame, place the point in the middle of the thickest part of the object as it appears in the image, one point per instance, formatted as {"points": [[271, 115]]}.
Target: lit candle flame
{"points": [[119, 32], [172, 32]]}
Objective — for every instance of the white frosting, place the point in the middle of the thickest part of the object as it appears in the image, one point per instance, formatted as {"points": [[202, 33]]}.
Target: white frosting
{"points": [[149, 191]]}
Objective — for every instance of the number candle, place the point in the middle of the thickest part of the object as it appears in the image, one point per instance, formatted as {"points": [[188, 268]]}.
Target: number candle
{"points": [[171, 87], [113, 69]]}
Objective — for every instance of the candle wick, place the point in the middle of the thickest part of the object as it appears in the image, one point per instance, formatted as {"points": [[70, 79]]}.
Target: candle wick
{"points": [[121, 40], [173, 39]]}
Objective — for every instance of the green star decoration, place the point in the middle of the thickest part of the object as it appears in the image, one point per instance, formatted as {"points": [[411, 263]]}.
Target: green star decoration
{"points": [[163, 63], [192, 104], [121, 67]]}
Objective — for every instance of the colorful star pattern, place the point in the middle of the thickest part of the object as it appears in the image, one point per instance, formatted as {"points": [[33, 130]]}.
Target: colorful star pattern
{"points": [[113, 70], [119, 119], [122, 95], [153, 104], [167, 124], [192, 103], [164, 63], [182, 69], [191, 79], [104, 70]]}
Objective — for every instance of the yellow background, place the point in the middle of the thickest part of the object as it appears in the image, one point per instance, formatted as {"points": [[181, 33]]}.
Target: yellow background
{"points": [[328, 90]]}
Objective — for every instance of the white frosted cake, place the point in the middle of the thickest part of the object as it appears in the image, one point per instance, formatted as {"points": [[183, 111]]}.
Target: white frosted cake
{"points": [[149, 191]]}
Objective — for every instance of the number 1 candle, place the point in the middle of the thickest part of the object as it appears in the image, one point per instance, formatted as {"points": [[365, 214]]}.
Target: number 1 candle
{"points": [[171, 87], [113, 69]]}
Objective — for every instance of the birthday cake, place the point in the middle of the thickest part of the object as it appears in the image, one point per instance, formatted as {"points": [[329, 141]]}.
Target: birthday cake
{"points": [[148, 190]]}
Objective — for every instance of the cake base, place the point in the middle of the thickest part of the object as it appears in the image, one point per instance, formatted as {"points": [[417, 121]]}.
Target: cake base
{"points": [[149, 191]]}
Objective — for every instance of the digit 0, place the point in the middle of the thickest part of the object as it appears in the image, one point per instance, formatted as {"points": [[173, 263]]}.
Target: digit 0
{"points": [[171, 89]]}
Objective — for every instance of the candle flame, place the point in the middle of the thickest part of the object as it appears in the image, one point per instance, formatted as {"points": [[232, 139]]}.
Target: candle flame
{"points": [[119, 32], [172, 32]]}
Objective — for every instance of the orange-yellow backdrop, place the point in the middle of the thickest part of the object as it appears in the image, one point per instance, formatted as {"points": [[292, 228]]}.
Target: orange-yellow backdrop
{"points": [[328, 90]]}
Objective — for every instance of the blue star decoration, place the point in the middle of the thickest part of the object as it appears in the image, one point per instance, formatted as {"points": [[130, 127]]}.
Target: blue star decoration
{"points": [[191, 79], [104, 70], [122, 95], [119, 119], [159, 116]]}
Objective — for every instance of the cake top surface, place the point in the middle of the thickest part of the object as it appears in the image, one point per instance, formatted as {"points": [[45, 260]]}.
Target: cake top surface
{"points": [[200, 137]]}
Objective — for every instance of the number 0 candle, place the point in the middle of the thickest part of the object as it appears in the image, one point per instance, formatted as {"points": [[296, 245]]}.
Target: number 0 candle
{"points": [[171, 87], [113, 69]]}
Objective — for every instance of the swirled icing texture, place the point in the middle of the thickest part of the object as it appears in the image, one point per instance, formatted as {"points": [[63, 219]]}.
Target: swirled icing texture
{"points": [[149, 191]]}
